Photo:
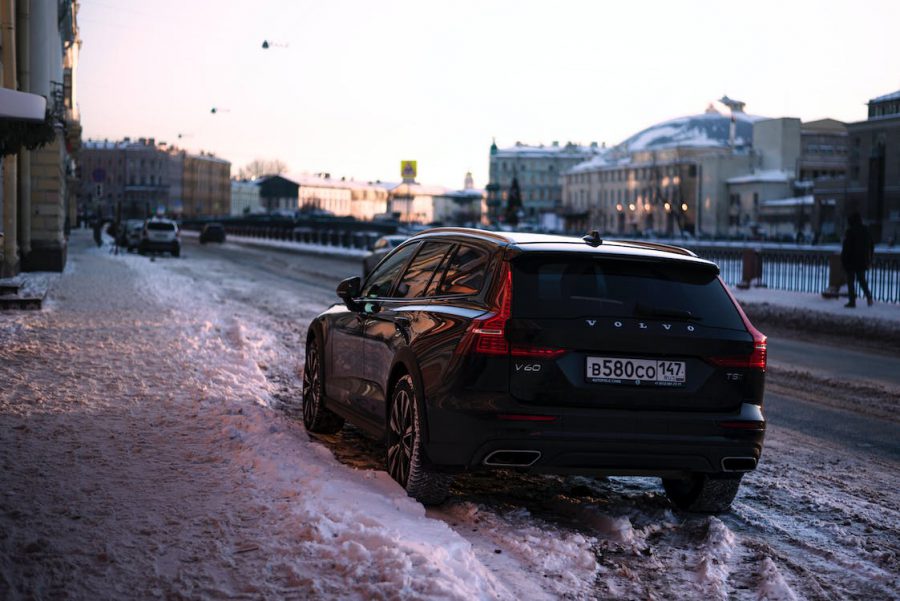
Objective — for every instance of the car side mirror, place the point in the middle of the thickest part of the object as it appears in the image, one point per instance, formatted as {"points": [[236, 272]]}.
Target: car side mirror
{"points": [[348, 290]]}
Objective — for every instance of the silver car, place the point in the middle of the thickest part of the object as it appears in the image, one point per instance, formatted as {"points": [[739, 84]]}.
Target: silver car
{"points": [[160, 235]]}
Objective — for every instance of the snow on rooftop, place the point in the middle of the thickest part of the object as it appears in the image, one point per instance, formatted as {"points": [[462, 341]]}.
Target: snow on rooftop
{"points": [[891, 96], [796, 201], [598, 162], [465, 193], [770, 175], [541, 150], [710, 129]]}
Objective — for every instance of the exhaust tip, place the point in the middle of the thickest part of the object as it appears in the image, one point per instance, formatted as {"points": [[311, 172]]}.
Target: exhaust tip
{"points": [[512, 458], [738, 464]]}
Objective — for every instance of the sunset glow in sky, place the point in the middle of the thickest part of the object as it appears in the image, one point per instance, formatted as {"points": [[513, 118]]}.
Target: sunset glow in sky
{"points": [[360, 85]]}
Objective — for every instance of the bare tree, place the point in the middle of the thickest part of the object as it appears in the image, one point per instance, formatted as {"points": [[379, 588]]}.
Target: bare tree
{"points": [[260, 167]]}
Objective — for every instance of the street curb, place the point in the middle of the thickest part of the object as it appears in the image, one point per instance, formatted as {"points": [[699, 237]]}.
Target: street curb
{"points": [[856, 330]]}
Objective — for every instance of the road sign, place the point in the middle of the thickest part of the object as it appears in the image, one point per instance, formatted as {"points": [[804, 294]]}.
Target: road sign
{"points": [[408, 171]]}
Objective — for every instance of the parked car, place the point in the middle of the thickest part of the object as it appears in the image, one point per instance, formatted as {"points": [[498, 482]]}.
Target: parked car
{"points": [[160, 235], [133, 230], [467, 349], [380, 249], [212, 232]]}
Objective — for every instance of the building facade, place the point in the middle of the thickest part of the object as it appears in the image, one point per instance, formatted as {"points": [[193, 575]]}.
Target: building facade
{"points": [[367, 200], [538, 171], [130, 179], [873, 179], [133, 179], [668, 179], [321, 193], [413, 203], [278, 194], [716, 174], [39, 47], [245, 199], [206, 186]]}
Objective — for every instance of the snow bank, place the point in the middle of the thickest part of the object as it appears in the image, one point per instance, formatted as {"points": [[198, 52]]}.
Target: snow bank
{"points": [[340, 532], [369, 540], [772, 586], [715, 553]]}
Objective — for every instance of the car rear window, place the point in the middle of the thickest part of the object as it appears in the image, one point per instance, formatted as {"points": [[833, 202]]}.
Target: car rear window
{"points": [[161, 226], [465, 271], [564, 286]]}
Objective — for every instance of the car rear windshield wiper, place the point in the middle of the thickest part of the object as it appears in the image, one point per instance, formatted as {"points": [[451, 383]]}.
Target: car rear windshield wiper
{"points": [[651, 311]]}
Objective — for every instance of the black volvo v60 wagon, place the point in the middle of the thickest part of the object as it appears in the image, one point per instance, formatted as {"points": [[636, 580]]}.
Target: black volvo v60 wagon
{"points": [[466, 349]]}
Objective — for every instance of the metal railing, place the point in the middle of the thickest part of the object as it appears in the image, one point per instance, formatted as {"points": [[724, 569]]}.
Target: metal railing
{"points": [[805, 270]]}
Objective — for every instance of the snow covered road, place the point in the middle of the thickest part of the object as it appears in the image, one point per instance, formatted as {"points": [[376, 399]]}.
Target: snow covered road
{"points": [[149, 451]]}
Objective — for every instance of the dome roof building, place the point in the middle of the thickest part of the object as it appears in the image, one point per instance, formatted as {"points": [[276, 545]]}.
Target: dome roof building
{"points": [[669, 178]]}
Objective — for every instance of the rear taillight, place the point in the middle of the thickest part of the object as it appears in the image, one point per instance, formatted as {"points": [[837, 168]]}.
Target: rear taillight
{"points": [[487, 335], [758, 358]]}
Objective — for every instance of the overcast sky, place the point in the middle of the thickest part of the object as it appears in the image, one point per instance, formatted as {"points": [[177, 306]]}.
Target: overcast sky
{"points": [[361, 85]]}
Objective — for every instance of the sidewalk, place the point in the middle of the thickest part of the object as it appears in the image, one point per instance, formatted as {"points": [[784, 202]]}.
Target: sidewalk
{"points": [[806, 301], [141, 459]]}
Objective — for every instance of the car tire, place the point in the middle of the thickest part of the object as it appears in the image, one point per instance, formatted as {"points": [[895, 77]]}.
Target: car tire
{"points": [[703, 493], [316, 418], [405, 457], [176, 252]]}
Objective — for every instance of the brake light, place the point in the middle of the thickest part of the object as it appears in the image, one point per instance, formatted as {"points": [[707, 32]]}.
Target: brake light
{"points": [[758, 358], [487, 336]]}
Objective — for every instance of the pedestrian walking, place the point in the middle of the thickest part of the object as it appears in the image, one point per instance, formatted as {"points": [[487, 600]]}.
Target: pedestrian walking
{"points": [[98, 230], [856, 257]]}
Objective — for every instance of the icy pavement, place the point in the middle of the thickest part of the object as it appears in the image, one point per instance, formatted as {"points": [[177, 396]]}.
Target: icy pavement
{"points": [[147, 453]]}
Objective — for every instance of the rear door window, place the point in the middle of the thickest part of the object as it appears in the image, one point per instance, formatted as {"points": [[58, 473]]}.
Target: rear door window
{"points": [[564, 286], [421, 270], [465, 272], [382, 279]]}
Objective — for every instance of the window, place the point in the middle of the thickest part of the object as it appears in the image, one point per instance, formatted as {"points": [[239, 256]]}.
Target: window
{"points": [[465, 271], [421, 270], [568, 287], [382, 279]]}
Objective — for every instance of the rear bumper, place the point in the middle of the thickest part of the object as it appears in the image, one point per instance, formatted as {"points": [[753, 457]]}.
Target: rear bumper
{"points": [[601, 442], [158, 245]]}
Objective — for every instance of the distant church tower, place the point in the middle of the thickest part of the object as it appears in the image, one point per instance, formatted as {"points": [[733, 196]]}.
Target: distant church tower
{"points": [[470, 183]]}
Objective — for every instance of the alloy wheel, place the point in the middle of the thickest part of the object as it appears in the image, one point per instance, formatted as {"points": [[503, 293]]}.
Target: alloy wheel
{"points": [[311, 386], [402, 437]]}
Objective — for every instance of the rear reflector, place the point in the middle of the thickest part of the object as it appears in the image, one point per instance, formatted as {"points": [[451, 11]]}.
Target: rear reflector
{"points": [[539, 352]]}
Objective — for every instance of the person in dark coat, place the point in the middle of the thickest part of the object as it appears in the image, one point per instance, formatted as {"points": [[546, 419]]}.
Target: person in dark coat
{"points": [[856, 257]]}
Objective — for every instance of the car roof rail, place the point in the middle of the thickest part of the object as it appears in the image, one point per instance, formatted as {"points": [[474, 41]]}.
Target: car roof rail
{"points": [[678, 250], [470, 231]]}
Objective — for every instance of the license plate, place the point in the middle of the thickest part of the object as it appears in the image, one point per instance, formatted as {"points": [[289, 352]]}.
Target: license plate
{"points": [[636, 372]]}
